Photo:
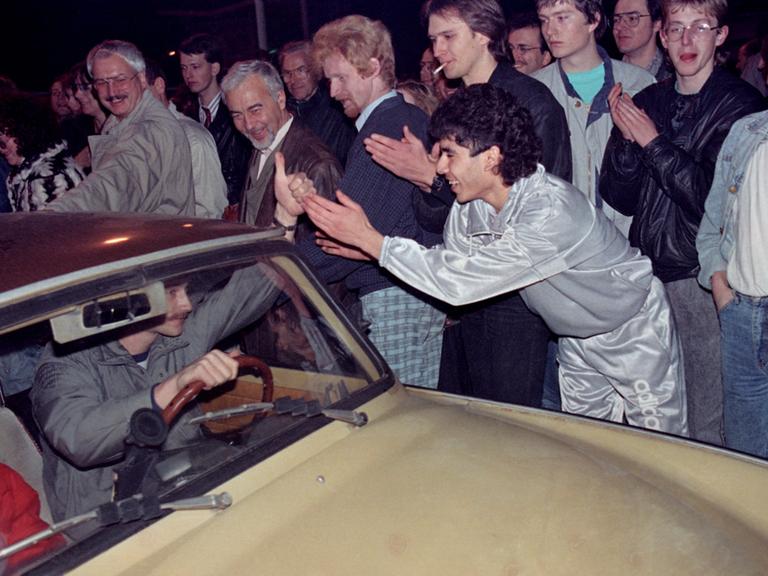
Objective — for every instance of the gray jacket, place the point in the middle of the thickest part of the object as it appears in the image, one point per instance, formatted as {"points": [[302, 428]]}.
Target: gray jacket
{"points": [[619, 353], [591, 124], [84, 399], [140, 164]]}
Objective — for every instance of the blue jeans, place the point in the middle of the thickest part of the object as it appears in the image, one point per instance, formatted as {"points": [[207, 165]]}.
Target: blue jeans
{"points": [[744, 343]]}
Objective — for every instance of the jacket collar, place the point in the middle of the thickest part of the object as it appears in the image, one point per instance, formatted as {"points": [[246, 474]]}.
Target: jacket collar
{"points": [[117, 355], [599, 105], [113, 126], [484, 221]]}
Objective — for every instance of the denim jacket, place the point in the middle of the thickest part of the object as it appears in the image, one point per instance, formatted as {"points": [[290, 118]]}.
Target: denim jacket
{"points": [[715, 238]]}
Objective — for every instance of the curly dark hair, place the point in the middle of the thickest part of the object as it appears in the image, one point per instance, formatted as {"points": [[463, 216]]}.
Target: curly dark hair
{"points": [[30, 121], [481, 116]]}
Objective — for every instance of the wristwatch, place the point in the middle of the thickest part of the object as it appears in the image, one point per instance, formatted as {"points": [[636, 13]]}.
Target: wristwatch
{"points": [[288, 227]]}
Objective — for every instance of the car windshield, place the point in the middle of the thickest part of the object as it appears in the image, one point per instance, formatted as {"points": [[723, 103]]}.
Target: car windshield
{"points": [[309, 360]]}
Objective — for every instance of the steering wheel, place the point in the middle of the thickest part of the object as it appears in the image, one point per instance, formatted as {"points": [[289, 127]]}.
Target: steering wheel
{"points": [[191, 390]]}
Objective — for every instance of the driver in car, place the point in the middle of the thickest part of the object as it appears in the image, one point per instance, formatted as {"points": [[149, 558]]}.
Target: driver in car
{"points": [[84, 398]]}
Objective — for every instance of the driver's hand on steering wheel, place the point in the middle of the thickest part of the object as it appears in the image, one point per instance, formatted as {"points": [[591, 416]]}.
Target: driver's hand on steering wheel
{"points": [[212, 369]]}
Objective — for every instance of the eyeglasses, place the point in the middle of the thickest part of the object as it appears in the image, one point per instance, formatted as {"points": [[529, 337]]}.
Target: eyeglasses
{"points": [[82, 86], [674, 32], [522, 48], [300, 72], [631, 19], [117, 82]]}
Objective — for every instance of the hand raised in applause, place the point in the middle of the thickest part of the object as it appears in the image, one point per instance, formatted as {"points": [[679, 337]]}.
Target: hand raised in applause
{"points": [[406, 157], [345, 222]]}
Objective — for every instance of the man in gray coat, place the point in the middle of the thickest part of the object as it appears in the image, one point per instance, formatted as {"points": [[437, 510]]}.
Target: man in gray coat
{"points": [[84, 398], [141, 160]]}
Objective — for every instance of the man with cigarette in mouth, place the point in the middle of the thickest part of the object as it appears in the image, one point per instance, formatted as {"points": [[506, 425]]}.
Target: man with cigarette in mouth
{"points": [[658, 168], [141, 161], [498, 350]]}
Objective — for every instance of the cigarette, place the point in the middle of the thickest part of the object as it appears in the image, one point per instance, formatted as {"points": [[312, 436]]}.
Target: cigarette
{"points": [[438, 69]]}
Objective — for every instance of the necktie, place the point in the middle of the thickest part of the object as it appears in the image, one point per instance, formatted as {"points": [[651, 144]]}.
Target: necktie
{"points": [[207, 122]]}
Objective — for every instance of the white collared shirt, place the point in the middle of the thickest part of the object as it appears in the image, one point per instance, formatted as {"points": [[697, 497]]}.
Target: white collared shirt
{"points": [[279, 137], [747, 270], [213, 108], [368, 110]]}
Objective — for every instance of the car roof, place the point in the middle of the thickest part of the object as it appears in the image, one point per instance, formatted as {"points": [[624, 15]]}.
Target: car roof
{"points": [[45, 253], [40, 246]]}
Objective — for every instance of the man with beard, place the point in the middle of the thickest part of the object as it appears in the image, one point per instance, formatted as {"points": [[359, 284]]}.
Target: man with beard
{"points": [[256, 100], [141, 161], [358, 60]]}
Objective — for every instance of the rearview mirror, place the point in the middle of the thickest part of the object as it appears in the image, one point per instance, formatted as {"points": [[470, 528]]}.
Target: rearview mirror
{"points": [[109, 312]]}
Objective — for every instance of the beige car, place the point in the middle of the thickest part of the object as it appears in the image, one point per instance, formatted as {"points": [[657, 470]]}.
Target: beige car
{"points": [[317, 461]]}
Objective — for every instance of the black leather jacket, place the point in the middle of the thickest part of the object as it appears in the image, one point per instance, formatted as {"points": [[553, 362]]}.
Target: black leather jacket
{"points": [[234, 151], [664, 185]]}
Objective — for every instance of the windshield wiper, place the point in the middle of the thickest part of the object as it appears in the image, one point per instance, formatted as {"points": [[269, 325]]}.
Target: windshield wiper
{"points": [[138, 507], [230, 412], [286, 405]]}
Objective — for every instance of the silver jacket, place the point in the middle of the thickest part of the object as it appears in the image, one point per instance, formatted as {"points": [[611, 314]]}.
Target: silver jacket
{"points": [[575, 269]]}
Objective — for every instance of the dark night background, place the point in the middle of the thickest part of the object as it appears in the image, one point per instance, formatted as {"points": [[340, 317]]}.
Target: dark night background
{"points": [[43, 38]]}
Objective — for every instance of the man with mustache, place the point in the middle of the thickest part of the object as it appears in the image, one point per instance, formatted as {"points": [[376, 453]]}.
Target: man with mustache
{"points": [[141, 161], [526, 44]]}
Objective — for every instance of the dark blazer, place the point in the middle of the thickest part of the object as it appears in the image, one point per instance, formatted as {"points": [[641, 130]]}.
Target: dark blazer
{"points": [[304, 152], [388, 200]]}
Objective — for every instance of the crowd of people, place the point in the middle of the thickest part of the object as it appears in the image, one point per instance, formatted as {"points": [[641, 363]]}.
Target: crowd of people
{"points": [[531, 221]]}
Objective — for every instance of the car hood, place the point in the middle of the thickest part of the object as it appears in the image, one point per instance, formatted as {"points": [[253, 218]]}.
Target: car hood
{"points": [[435, 484]]}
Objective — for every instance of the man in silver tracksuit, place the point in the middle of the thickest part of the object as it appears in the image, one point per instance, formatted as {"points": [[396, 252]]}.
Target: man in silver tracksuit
{"points": [[515, 227]]}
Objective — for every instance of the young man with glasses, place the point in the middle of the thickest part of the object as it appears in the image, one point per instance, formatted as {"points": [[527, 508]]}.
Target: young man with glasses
{"points": [[141, 160], [636, 23], [526, 44], [658, 169], [580, 80]]}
